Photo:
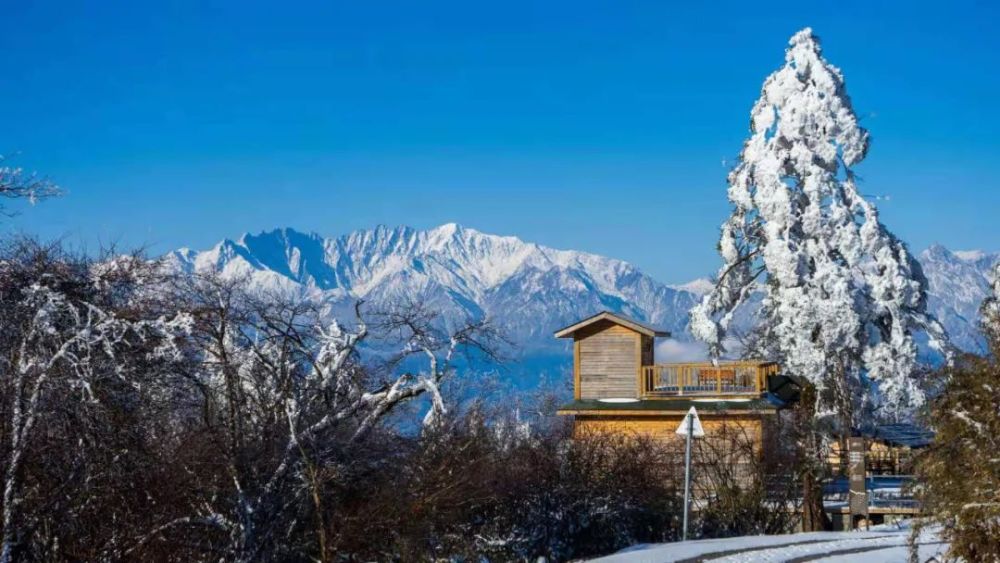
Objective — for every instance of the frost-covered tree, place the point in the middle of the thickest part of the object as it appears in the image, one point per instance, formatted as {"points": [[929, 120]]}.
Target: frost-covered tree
{"points": [[290, 402], [842, 296], [74, 337]]}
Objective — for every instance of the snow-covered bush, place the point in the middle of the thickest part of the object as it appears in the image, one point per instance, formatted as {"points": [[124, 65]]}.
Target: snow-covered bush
{"points": [[81, 365]]}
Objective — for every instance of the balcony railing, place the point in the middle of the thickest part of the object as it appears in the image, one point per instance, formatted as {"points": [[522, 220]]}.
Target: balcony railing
{"points": [[706, 379]]}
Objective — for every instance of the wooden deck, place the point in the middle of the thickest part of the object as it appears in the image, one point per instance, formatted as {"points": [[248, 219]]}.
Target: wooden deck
{"points": [[727, 379]]}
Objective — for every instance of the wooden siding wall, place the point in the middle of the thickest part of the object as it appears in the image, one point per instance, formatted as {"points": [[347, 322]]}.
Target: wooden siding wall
{"points": [[725, 442], [663, 428], [608, 361]]}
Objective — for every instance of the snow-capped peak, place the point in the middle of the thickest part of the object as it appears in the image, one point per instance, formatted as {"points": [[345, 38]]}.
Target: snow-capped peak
{"points": [[468, 262], [970, 255], [699, 286]]}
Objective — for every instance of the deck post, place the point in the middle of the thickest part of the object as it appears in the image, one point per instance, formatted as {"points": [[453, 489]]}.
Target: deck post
{"points": [[687, 475]]}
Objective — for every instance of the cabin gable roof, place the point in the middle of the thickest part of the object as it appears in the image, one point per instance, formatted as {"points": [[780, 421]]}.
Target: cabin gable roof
{"points": [[626, 322]]}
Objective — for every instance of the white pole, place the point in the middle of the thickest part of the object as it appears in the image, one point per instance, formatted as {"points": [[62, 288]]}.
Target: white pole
{"points": [[687, 475]]}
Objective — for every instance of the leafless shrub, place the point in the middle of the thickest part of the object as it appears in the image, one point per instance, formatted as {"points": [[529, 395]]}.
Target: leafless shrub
{"points": [[748, 486]]}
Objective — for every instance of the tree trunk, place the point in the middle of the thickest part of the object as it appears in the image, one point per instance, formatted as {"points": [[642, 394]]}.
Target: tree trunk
{"points": [[317, 499], [842, 401], [814, 517], [22, 421]]}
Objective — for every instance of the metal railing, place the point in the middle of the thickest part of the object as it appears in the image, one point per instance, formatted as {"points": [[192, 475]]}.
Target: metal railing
{"points": [[883, 491], [742, 378]]}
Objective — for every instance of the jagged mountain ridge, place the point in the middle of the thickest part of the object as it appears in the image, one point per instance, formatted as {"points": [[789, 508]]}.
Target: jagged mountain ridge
{"points": [[528, 289], [957, 284]]}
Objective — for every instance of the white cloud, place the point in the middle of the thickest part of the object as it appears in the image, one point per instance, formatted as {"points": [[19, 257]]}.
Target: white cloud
{"points": [[671, 350]]}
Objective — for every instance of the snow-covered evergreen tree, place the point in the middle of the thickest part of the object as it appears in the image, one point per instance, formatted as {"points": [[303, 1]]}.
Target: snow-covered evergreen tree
{"points": [[958, 473], [843, 297]]}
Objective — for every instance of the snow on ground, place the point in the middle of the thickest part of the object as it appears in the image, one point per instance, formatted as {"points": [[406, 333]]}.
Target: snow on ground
{"points": [[886, 544]]}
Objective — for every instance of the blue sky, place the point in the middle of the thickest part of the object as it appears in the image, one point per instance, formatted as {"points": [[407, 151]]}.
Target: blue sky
{"points": [[603, 127]]}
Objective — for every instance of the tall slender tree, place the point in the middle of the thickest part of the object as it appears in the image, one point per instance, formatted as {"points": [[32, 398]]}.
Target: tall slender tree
{"points": [[843, 297]]}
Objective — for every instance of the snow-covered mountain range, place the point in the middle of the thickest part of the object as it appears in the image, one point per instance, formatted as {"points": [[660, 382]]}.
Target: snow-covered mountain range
{"points": [[529, 290], [957, 284]]}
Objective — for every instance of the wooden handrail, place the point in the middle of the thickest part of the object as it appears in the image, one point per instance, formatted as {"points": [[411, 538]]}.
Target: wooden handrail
{"points": [[741, 378]]}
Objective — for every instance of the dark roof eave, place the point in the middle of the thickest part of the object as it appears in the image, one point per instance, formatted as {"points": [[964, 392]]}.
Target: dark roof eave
{"points": [[633, 324], [667, 406]]}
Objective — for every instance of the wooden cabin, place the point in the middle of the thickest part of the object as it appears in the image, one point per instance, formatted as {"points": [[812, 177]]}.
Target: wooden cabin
{"points": [[619, 387]]}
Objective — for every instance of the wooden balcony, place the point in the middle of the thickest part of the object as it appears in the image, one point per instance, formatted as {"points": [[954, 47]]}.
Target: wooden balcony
{"points": [[727, 379]]}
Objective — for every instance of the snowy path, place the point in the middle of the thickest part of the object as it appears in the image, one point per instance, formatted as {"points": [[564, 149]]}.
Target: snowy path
{"points": [[886, 545]]}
